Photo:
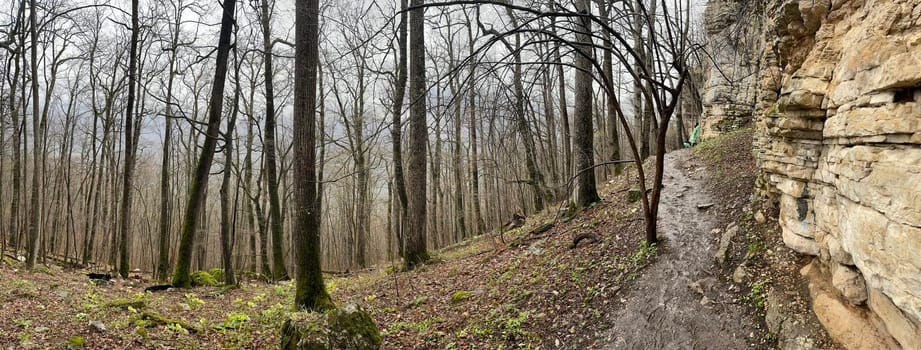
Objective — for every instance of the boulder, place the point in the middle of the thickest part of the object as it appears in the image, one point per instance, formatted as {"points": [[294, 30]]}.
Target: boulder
{"points": [[849, 282]]}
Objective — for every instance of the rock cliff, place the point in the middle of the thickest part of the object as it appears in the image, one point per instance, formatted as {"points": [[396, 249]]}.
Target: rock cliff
{"points": [[833, 88]]}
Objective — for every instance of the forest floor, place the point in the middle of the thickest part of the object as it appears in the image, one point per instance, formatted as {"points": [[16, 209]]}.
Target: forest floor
{"points": [[530, 291]]}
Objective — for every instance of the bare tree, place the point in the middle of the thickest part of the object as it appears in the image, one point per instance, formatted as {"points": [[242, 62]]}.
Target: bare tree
{"points": [[310, 293], [584, 192], [181, 277], [415, 250], [279, 272], [128, 172]]}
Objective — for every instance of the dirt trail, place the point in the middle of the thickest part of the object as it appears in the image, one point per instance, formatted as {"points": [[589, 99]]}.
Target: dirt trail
{"points": [[679, 301]]}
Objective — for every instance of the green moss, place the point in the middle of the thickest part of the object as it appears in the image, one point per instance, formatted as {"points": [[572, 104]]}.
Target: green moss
{"points": [[136, 304], [460, 296], [356, 323], [75, 343], [141, 331], [154, 318], [347, 327], [217, 273], [203, 279]]}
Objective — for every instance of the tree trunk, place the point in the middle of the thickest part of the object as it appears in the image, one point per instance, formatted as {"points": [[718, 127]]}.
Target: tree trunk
{"points": [[310, 293], [128, 175], [15, 141], [199, 182], [226, 211], [279, 272], [613, 135], [396, 129], [535, 177], [640, 124], [35, 210], [163, 260], [415, 252], [564, 115], [460, 225], [584, 192], [478, 224]]}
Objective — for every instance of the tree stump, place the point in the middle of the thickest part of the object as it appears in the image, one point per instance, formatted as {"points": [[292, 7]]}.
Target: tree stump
{"points": [[345, 328]]}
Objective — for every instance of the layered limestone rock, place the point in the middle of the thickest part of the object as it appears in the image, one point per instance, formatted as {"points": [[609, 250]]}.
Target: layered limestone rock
{"points": [[838, 118], [730, 92]]}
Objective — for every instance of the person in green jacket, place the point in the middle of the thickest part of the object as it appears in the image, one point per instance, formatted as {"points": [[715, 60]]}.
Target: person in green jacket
{"points": [[695, 137]]}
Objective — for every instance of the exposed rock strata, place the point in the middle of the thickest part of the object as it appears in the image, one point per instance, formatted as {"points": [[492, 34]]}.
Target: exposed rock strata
{"points": [[835, 95]]}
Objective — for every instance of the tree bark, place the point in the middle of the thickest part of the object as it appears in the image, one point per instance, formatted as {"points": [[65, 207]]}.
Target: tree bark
{"points": [[535, 177], [128, 174], [163, 260], [35, 210], [310, 293], [279, 272], [584, 192], [613, 135], [199, 182], [396, 128], [226, 211], [478, 223], [415, 252]]}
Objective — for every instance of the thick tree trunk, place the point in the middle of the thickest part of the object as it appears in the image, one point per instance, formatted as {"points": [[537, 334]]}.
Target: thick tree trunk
{"points": [[415, 252], [584, 192], [310, 293]]}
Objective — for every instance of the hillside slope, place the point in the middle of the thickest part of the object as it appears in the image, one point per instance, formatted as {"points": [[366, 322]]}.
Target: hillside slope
{"points": [[535, 290]]}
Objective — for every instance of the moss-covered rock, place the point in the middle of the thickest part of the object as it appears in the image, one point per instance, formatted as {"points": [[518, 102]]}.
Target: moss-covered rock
{"points": [[150, 318], [345, 328], [204, 279], [136, 304], [217, 273]]}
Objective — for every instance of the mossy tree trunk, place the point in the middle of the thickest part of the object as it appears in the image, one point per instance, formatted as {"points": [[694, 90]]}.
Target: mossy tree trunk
{"points": [[310, 292], [181, 278]]}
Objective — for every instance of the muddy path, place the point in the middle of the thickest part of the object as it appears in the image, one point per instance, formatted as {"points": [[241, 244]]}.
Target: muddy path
{"points": [[680, 302]]}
